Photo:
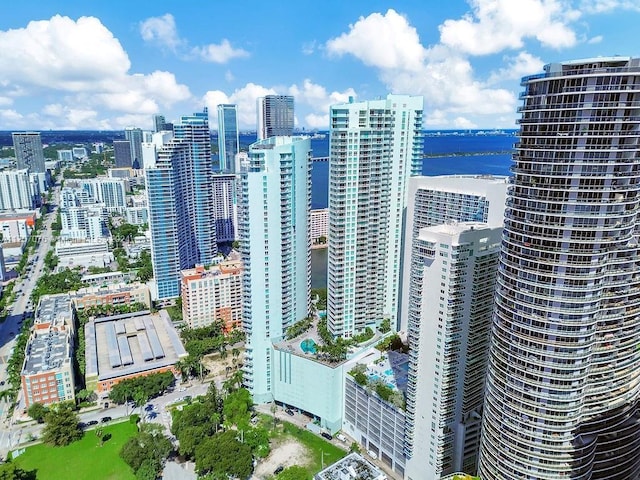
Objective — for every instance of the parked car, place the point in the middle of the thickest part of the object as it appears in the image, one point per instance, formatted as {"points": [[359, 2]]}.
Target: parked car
{"points": [[92, 423], [341, 437], [105, 419], [278, 470], [289, 412], [327, 435]]}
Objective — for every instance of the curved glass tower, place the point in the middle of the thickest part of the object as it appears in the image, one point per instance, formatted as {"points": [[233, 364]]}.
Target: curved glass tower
{"points": [[564, 371]]}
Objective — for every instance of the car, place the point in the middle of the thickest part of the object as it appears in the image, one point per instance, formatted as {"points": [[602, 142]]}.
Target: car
{"points": [[81, 424], [2, 383], [91, 423], [105, 419], [278, 470], [326, 435], [289, 412], [341, 437]]}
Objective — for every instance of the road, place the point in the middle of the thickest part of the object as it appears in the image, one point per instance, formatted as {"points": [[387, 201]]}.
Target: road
{"points": [[22, 307], [154, 411]]}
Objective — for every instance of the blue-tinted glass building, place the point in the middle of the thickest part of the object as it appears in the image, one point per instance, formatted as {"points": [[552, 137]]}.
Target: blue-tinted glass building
{"points": [[228, 138]]}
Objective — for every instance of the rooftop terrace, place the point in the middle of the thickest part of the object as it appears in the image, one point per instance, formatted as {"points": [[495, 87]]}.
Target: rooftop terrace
{"points": [[351, 467]]}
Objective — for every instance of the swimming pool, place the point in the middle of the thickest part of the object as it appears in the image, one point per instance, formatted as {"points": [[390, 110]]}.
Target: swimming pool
{"points": [[388, 373], [308, 346]]}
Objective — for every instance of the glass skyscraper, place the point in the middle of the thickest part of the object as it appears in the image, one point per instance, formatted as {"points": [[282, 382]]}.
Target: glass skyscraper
{"points": [[134, 136], [375, 146], [275, 116], [179, 174], [273, 227], [29, 152], [563, 378], [228, 137]]}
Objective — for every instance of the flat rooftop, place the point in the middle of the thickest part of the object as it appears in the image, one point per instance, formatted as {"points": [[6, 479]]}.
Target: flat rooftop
{"points": [[47, 351], [55, 310], [131, 343], [351, 467]]}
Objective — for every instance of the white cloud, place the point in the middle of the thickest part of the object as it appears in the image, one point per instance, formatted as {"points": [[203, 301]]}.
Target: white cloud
{"points": [[228, 76], [383, 41], [604, 6], [63, 59], [309, 97], [495, 25], [316, 96], [161, 31], [308, 48], [594, 40], [517, 67], [461, 122], [245, 98], [5, 101], [220, 53]]}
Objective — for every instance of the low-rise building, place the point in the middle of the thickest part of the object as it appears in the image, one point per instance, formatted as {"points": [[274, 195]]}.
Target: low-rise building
{"points": [[128, 346], [352, 467], [47, 373], [17, 227], [319, 224], [112, 295], [107, 278], [214, 293]]}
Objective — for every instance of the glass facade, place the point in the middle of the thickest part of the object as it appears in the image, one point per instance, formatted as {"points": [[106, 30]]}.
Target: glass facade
{"points": [[228, 138]]}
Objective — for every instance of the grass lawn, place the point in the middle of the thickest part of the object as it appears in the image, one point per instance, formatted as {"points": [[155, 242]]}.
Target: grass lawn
{"points": [[317, 445], [84, 459]]}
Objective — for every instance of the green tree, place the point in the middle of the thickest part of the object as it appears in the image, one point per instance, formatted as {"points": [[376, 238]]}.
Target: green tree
{"points": [[295, 472], [212, 455], [9, 471], [38, 412], [236, 407], [61, 425], [147, 450], [385, 325]]}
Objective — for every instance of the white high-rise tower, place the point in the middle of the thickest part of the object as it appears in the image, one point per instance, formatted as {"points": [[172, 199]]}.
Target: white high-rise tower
{"points": [[375, 147]]}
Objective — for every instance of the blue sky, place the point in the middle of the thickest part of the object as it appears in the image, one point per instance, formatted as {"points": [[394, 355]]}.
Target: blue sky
{"points": [[78, 64]]}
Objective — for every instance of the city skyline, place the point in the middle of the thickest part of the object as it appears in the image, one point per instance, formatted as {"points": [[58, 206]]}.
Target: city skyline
{"points": [[466, 58]]}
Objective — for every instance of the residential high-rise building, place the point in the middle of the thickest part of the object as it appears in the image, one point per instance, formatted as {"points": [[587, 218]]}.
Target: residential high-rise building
{"points": [[16, 190], [158, 123], [445, 199], [228, 137], [194, 131], [179, 188], [275, 116], [224, 207], [134, 137], [213, 294], [273, 214], [122, 153], [563, 377], [29, 152], [453, 273], [375, 146]]}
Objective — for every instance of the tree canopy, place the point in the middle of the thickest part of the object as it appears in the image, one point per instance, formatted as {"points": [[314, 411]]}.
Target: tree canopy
{"points": [[61, 425], [38, 412], [9, 471], [147, 386], [213, 455], [146, 452]]}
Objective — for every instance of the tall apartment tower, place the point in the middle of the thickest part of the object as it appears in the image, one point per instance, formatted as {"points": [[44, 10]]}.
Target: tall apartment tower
{"points": [[197, 178], [446, 199], [180, 201], [273, 218], [375, 146], [224, 206], [122, 153], [564, 369], [29, 152], [453, 276], [275, 116], [228, 137], [158, 123], [134, 137]]}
